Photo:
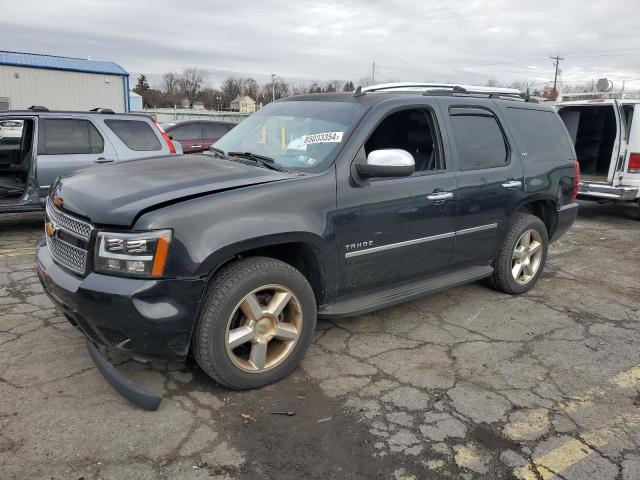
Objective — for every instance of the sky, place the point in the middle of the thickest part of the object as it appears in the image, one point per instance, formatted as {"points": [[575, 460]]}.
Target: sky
{"points": [[464, 41]]}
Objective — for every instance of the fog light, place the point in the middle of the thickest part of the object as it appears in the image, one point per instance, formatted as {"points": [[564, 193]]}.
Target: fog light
{"points": [[135, 266], [113, 263]]}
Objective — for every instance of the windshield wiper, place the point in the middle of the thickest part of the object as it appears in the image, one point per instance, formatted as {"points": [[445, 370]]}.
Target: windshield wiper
{"points": [[262, 160], [218, 152]]}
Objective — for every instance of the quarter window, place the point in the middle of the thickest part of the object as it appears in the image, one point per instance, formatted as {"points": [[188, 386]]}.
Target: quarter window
{"points": [[135, 134], [478, 138], [68, 136], [543, 135]]}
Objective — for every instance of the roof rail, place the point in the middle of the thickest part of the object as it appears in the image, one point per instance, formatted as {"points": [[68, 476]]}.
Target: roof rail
{"points": [[448, 89], [101, 110], [38, 108]]}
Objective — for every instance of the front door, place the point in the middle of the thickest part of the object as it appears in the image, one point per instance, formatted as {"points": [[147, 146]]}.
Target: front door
{"points": [[66, 145], [396, 230]]}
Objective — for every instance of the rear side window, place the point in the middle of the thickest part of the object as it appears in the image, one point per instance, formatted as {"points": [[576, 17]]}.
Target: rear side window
{"points": [[68, 137], [478, 138], [542, 134], [190, 131], [215, 130], [135, 134]]}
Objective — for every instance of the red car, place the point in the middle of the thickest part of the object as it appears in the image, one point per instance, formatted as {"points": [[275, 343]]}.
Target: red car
{"points": [[196, 135]]}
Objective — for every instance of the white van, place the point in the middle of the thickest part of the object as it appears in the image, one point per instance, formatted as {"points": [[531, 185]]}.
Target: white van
{"points": [[607, 143]]}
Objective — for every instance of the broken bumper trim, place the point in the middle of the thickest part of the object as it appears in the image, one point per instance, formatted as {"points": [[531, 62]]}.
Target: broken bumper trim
{"points": [[129, 390]]}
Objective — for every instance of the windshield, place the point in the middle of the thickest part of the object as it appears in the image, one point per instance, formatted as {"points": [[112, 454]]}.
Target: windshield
{"points": [[296, 134]]}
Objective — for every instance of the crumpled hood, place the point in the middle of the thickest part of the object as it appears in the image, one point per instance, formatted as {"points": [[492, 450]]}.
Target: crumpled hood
{"points": [[116, 194]]}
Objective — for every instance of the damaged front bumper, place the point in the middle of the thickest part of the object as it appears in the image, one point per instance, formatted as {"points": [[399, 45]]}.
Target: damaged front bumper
{"points": [[140, 317], [129, 390]]}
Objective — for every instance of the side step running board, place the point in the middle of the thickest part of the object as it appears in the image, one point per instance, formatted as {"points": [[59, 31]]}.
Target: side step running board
{"points": [[401, 293]]}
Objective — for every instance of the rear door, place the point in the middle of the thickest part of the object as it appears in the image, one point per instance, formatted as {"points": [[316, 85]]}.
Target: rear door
{"points": [[630, 171], [619, 147], [190, 137], [66, 145], [489, 177]]}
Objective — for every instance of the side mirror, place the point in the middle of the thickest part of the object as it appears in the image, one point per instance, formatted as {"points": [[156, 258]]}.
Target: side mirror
{"points": [[389, 162]]}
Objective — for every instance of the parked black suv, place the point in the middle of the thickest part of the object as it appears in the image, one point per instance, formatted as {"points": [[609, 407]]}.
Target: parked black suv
{"points": [[320, 205]]}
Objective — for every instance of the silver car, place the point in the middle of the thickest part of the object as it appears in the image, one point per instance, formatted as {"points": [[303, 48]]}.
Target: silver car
{"points": [[38, 145]]}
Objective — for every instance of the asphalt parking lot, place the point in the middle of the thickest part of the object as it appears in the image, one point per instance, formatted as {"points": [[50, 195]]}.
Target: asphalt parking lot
{"points": [[468, 383]]}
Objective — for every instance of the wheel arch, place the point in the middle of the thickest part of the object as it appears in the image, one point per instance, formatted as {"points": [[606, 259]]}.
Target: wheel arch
{"points": [[543, 207], [306, 252]]}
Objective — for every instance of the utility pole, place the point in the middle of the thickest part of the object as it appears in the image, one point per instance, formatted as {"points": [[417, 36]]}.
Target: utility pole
{"points": [[557, 59], [273, 87]]}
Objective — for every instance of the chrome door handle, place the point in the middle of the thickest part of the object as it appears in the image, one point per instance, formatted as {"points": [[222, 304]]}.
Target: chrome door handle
{"points": [[196, 146], [440, 196], [512, 184]]}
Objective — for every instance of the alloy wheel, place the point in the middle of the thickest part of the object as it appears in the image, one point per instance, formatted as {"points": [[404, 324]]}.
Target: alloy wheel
{"points": [[264, 328], [527, 257]]}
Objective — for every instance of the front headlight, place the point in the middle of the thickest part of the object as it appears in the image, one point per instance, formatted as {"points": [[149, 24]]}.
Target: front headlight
{"points": [[141, 254]]}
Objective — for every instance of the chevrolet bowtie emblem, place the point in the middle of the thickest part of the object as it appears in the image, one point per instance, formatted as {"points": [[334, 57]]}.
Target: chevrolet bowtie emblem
{"points": [[51, 229], [57, 201]]}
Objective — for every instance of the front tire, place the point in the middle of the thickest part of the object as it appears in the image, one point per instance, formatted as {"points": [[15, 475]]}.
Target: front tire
{"points": [[257, 322], [521, 259]]}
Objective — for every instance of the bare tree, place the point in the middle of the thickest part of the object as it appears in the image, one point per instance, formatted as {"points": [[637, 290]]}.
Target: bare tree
{"points": [[170, 83], [190, 83], [521, 85], [250, 87], [231, 87], [211, 98]]}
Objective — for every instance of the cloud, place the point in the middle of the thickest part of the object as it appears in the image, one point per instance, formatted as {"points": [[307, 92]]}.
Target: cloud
{"points": [[466, 41]]}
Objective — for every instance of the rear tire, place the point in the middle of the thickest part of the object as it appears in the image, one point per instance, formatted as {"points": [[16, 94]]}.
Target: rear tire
{"points": [[522, 256], [257, 322]]}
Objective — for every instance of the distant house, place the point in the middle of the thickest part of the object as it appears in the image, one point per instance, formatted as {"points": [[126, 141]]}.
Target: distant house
{"points": [[243, 104]]}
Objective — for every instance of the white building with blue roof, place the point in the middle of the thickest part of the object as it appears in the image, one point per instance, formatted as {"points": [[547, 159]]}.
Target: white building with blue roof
{"points": [[61, 83]]}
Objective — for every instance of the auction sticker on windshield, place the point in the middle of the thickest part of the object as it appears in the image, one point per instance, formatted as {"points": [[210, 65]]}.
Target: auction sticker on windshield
{"points": [[329, 137], [301, 143]]}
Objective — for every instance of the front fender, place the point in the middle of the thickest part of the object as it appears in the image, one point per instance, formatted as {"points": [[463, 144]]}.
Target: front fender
{"points": [[211, 229]]}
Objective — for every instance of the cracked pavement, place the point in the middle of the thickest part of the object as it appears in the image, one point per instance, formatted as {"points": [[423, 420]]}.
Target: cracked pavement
{"points": [[468, 383]]}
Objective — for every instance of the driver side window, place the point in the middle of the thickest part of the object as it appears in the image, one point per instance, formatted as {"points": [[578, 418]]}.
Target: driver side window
{"points": [[413, 130]]}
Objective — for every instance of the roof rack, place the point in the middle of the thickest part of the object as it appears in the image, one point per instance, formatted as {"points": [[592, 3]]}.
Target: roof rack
{"points": [[449, 89]]}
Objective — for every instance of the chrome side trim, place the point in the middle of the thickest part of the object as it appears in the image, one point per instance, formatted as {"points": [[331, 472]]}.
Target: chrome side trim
{"points": [[399, 244], [416, 241], [477, 229]]}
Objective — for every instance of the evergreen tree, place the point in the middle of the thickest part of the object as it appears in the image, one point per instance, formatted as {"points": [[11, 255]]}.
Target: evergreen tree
{"points": [[142, 85]]}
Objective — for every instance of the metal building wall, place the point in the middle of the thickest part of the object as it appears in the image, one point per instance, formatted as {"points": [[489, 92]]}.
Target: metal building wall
{"points": [[61, 90]]}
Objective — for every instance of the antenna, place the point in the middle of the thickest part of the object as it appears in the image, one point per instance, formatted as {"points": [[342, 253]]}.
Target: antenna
{"points": [[359, 92]]}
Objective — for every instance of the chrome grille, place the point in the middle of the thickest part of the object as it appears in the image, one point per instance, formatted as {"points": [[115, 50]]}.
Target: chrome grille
{"points": [[73, 258], [68, 239], [75, 227]]}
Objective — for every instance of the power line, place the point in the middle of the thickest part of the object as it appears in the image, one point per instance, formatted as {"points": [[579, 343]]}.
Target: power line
{"points": [[603, 51]]}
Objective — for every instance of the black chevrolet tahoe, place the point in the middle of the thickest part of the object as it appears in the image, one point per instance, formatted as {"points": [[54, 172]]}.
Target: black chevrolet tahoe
{"points": [[325, 205]]}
